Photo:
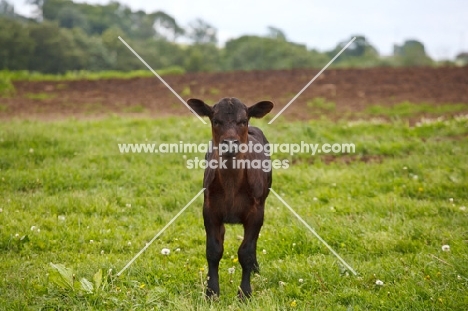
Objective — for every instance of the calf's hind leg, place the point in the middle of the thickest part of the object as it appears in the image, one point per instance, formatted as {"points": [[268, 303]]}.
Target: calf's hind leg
{"points": [[247, 255]]}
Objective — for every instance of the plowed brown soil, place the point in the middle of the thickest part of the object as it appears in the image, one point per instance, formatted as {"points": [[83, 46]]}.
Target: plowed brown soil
{"points": [[352, 90]]}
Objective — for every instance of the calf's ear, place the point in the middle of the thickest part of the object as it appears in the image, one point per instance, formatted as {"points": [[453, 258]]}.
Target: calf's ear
{"points": [[200, 107], [260, 109]]}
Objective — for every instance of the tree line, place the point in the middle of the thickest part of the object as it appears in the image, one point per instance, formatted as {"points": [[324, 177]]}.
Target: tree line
{"points": [[65, 36]]}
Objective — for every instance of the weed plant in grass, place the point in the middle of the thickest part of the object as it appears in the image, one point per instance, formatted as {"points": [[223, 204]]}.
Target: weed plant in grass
{"points": [[68, 197]]}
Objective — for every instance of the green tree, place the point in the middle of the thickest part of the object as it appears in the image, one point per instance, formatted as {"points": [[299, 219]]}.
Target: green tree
{"points": [[161, 53], [95, 56], [462, 59], [96, 19], [201, 32], [122, 58], [55, 50], [16, 44], [360, 53], [202, 57], [412, 53], [51, 8], [166, 26], [7, 9], [70, 17], [360, 48], [261, 53], [276, 33]]}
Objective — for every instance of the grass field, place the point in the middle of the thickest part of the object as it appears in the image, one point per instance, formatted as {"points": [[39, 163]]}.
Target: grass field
{"points": [[68, 197], [24, 75]]}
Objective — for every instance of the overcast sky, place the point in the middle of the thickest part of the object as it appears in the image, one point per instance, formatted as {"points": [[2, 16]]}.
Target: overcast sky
{"points": [[442, 25]]}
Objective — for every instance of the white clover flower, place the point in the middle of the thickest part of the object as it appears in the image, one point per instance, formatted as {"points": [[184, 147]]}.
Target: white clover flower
{"points": [[415, 177], [264, 251], [301, 280], [379, 283], [91, 241], [294, 244], [451, 200], [405, 168], [231, 270], [1, 210], [315, 199], [446, 248], [462, 208], [17, 235], [31, 150], [281, 283], [102, 252], [177, 250], [33, 228], [129, 243], [61, 217], [38, 230], [165, 251], [128, 205]]}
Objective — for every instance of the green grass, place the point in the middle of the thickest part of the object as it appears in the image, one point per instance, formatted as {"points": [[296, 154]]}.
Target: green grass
{"points": [[69, 197], [408, 109], [214, 91], [7, 88], [138, 108], [40, 96], [61, 86], [321, 104], [24, 75], [185, 91]]}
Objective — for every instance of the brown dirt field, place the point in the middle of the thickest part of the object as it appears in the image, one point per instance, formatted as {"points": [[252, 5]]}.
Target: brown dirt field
{"points": [[352, 90]]}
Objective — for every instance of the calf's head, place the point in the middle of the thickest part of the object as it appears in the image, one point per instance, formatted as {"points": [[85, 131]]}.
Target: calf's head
{"points": [[230, 121]]}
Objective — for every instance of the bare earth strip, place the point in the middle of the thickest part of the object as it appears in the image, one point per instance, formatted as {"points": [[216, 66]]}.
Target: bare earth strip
{"points": [[351, 90]]}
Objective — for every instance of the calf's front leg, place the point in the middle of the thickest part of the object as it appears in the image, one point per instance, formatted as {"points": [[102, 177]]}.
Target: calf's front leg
{"points": [[214, 251]]}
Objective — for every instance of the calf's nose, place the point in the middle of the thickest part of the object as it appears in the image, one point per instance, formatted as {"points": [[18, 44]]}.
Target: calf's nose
{"points": [[229, 147]]}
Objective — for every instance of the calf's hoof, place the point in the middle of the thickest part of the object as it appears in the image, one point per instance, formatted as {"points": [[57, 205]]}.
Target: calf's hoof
{"points": [[211, 294], [244, 295]]}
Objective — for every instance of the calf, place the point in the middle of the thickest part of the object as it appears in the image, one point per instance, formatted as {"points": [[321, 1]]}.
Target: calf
{"points": [[233, 195]]}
